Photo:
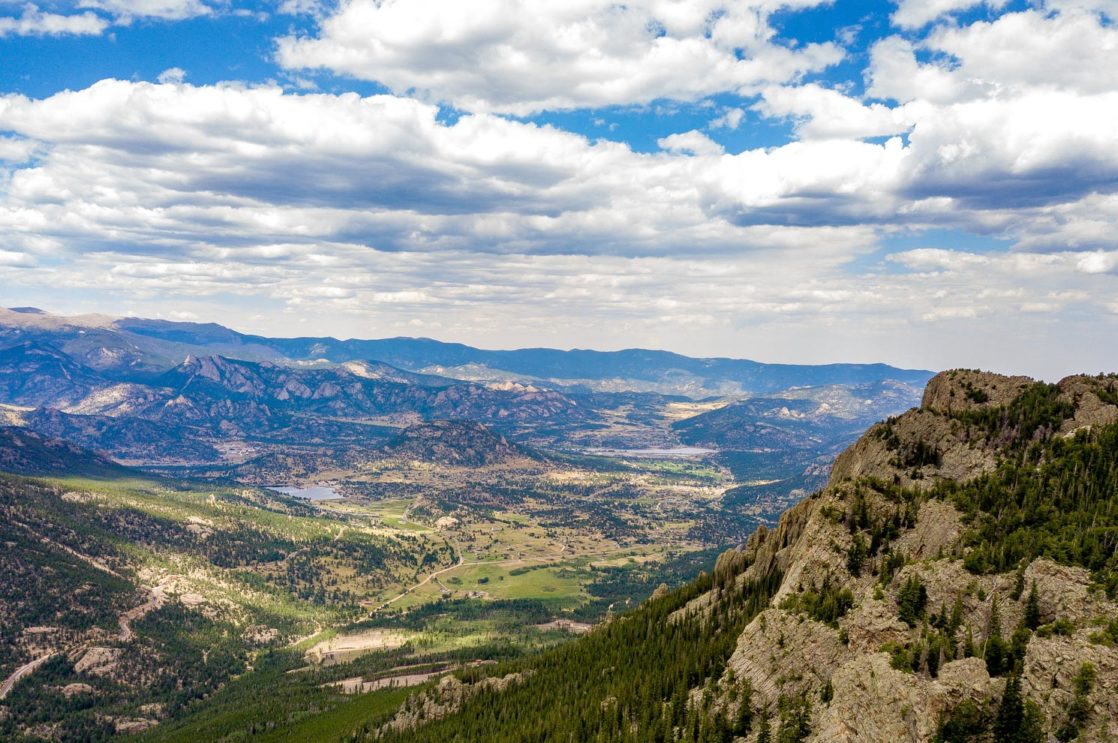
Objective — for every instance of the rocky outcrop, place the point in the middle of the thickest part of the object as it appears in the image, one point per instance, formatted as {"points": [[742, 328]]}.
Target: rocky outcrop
{"points": [[781, 653], [875, 703], [445, 699], [858, 690], [962, 390], [1095, 400]]}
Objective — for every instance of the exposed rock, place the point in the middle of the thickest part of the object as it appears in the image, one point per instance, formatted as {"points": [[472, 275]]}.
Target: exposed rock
{"points": [[889, 451], [961, 390], [445, 699], [98, 661], [457, 443], [937, 530], [1051, 665], [874, 702], [1090, 409], [133, 725], [871, 624], [781, 653]]}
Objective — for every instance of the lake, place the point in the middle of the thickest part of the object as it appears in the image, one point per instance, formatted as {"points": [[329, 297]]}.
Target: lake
{"points": [[673, 453], [312, 492]]}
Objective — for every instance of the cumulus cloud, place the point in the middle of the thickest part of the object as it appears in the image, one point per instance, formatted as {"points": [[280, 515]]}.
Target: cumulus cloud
{"points": [[821, 113], [177, 162], [13, 258], [693, 142], [1008, 126], [35, 22], [522, 57], [173, 162]]}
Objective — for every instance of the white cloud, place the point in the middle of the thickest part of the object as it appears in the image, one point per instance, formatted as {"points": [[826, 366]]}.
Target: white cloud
{"points": [[1105, 7], [35, 22], [1028, 50], [1097, 262], [914, 14], [359, 208], [15, 150], [126, 10], [518, 56], [895, 74], [822, 113], [172, 75], [13, 258], [693, 142], [730, 119]]}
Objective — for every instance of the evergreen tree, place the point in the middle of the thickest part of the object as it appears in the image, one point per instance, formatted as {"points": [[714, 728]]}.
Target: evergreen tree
{"points": [[1019, 584], [795, 720], [1032, 609], [912, 600], [765, 735], [996, 653], [744, 719], [856, 555], [1011, 711]]}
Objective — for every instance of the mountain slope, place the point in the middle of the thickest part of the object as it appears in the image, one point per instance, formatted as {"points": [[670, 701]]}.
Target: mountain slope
{"points": [[956, 581], [24, 452]]}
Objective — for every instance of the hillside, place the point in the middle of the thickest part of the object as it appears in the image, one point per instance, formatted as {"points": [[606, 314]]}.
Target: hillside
{"points": [[126, 601], [955, 581], [459, 443], [24, 452]]}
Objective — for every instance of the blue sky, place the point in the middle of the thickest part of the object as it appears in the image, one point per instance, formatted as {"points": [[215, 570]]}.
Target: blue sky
{"points": [[926, 183]]}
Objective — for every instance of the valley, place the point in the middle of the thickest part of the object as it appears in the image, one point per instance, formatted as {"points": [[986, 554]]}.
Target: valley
{"points": [[187, 530]]}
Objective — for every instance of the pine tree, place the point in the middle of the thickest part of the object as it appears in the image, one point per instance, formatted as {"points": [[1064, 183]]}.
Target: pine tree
{"points": [[911, 601], [1032, 609], [996, 650], [744, 720], [1019, 584], [1011, 711], [795, 720], [765, 736]]}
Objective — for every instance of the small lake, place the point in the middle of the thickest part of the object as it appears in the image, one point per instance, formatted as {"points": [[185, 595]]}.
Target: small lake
{"points": [[312, 492], [678, 452]]}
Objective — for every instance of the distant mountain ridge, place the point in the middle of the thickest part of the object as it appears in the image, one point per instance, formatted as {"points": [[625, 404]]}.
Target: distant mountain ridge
{"points": [[197, 394], [115, 345]]}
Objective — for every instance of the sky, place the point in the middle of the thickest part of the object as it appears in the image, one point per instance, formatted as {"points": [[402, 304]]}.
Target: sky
{"points": [[929, 183]]}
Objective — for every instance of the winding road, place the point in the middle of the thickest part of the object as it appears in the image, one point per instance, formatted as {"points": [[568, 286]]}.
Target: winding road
{"points": [[25, 670], [124, 621]]}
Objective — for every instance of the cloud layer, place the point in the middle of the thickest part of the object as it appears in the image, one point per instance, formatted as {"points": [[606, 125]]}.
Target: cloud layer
{"points": [[965, 188]]}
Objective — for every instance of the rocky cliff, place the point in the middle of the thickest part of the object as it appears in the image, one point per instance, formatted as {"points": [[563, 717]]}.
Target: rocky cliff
{"points": [[895, 618]]}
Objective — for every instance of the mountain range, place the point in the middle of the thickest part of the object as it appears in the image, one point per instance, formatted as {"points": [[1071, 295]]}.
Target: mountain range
{"points": [[165, 393]]}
